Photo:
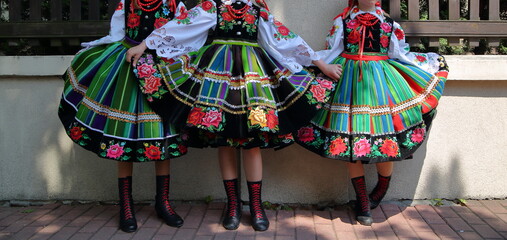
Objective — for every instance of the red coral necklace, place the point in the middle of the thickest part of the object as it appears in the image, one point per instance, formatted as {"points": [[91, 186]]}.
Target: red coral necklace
{"points": [[143, 3], [238, 13]]}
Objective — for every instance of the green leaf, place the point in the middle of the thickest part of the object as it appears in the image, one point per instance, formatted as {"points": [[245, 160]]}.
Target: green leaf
{"points": [[127, 150], [208, 199], [140, 151], [103, 154]]}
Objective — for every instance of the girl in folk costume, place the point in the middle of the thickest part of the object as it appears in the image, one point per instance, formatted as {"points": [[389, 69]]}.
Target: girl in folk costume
{"points": [[382, 105], [104, 111], [245, 89]]}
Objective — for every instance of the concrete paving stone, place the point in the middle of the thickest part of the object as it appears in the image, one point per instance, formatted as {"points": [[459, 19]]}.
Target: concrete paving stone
{"points": [[504, 234], [381, 226], [81, 236], [322, 217], [278, 237], [153, 221], [377, 213], [17, 225], [325, 231], [486, 231], [286, 225], [108, 213], [244, 230], [346, 235], [5, 236], [501, 216], [404, 238], [199, 238], [446, 212], [459, 225], [144, 233], [142, 214], [305, 232], [163, 237], [471, 218], [184, 234], [44, 220], [403, 230], [166, 230], [503, 202], [47, 231], [364, 232], [225, 235], [429, 214], [444, 231], [26, 232], [494, 206], [497, 224], [461, 209], [207, 228], [474, 203], [386, 235], [64, 233], [120, 235], [419, 225], [469, 235], [6, 211], [104, 233], [198, 209], [11, 219], [193, 221], [114, 221], [93, 226], [76, 211], [397, 219], [216, 205], [482, 212], [266, 235], [390, 208], [427, 236]]}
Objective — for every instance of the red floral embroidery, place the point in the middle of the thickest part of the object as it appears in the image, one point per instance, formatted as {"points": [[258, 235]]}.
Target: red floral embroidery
{"points": [[152, 152], [160, 22], [206, 6], [264, 15], [227, 16], [353, 24], [362, 147], [332, 31], [325, 83], [144, 70], [389, 148], [386, 27], [272, 119], [250, 19], [305, 134], [418, 135], [354, 37], [76, 133], [421, 58], [319, 93], [133, 20], [119, 7], [277, 23], [114, 151], [212, 118], [183, 13], [182, 148], [151, 84], [337, 146], [195, 116], [384, 41], [283, 30], [399, 33]]}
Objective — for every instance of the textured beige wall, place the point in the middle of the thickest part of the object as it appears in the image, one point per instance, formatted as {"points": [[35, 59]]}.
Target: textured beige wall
{"points": [[464, 156]]}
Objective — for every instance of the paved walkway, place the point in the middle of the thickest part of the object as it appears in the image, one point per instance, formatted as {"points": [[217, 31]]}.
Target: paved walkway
{"points": [[477, 220]]}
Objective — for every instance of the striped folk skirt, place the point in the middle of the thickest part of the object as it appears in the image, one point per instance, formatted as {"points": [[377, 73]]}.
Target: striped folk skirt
{"points": [[103, 110], [232, 93], [380, 111]]}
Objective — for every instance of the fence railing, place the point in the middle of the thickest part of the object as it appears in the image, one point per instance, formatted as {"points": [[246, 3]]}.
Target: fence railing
{"points": [[68, 22]]}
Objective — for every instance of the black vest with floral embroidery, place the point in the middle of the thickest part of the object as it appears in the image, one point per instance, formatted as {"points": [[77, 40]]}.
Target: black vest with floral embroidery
{"points": [[231, 28], [139, 24], [377, 37]]}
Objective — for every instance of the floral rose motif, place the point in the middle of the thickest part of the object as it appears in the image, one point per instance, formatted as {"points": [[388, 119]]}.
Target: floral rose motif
{"points": [[284, 31], [287, 136], [152, 152], [250, 19], [362, 147], [264, 15], [145, 70], [227, 16], [207, 5], [257, 116], [183, 13], [384, 41], [272, 119], [114, 151], [119, 7], [418, 135], [133, 20], [337, 146], [386, 27], [389, 148], [319, 93], [212, 118], [76, 133], [159, 22], [182, 148], [354, 37], [420, 58], [195, 116], [151, 84], [378, 12], [277, 23], [305, 134], [332, 31], [352, 24], [399, 33], [325, 83]]}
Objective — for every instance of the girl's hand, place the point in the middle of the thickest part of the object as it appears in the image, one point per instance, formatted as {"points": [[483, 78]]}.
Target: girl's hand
{"points": [[334, 71], [134, 53]]}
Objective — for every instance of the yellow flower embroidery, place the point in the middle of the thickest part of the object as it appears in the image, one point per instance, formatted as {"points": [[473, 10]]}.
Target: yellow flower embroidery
{"points": [[257, 116], [102, 146]]}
